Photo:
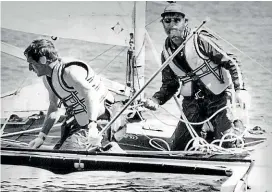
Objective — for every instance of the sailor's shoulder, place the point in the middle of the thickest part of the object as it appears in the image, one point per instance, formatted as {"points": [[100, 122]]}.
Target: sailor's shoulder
{"points": [[74, 70], [71, 64], [67, 60], [201, 32], [206, 34]]}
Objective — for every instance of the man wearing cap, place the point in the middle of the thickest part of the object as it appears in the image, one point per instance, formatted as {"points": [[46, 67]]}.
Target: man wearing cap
{"points": [[203, 72]]}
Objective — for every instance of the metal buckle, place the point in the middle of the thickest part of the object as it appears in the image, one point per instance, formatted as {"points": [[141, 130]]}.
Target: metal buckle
{"points": [[197, 96]]}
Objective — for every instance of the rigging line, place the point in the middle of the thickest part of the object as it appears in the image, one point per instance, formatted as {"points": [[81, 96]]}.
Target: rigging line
{"points": [[221, 140], [136, 57], [159, 147], [19, 56], [21, 144], [6, 122], [151, 112], [216, 34], [152, 22], [137, 75], [21, 86], [197, 123], [102, 53], [11, 140], [183, 116], [111, 61], [17, 90]]}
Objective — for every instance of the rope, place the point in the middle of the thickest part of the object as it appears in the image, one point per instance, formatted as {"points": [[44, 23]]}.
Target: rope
{"points": [[216, 34], [111, 61], [14, 143], [201, 144], [17, 90], [152, 21], [197, 123], [159, 146], [151, 112], [152, 139], [102, 53], [6, 122]]}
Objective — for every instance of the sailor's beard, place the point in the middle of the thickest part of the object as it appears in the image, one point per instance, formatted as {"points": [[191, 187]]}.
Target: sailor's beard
{"points": [[177, 36]]}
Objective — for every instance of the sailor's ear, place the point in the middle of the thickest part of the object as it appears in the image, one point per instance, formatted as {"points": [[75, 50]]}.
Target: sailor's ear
{"points": [[186, 22], [43, 60]]}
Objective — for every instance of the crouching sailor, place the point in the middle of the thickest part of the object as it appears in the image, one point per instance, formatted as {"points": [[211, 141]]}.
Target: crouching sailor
{"points": [[75, 85]]}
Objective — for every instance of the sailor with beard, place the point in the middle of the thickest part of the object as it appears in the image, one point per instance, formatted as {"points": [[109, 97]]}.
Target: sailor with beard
{"points": [[204, 72]]}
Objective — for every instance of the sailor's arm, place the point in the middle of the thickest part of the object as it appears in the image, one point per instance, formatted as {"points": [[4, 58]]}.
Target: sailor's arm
{"points": [[52, 116], [54, 111], [170, 85], [219, 56]]}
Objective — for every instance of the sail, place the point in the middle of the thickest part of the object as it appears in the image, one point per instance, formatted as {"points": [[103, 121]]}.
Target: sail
{"points": [[31, 98], [22, 98], [12, 50], [102, 22]]}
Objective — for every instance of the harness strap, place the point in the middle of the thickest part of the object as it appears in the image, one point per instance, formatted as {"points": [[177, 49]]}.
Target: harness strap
{"points": [[218, 76], [192, 76]]}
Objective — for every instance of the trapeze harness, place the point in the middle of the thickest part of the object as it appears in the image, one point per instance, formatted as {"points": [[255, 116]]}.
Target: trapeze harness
{"points": [[68, 96], [215, 78]]}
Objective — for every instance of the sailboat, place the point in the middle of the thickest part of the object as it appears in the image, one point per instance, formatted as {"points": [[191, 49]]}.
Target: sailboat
{"points": [[145, 142]]}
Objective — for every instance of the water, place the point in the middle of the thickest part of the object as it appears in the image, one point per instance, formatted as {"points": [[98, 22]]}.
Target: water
{"points": [[247, 25], [27, 179]]}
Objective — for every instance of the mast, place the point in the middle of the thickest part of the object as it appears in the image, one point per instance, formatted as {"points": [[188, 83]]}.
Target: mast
{"points": [[139, 53]]}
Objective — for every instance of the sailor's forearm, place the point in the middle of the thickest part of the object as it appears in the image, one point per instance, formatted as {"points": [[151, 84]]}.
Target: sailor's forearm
{"points": [[51, 118], [48, 124], [93, 106], [170, 85]]}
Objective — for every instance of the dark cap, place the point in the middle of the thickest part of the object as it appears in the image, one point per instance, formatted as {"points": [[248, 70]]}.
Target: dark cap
{"points": [[172, 8]]}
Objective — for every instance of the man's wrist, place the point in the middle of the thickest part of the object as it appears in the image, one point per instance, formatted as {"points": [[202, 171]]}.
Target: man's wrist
{"points": [[42, 136], [92, 124], [155, 100]]}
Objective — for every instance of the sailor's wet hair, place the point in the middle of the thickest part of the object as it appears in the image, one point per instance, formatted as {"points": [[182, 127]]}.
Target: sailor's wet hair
{"points": [[41, 47]]}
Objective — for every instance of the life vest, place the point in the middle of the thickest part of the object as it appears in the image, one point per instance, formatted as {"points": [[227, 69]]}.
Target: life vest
{"points": [[214, 77], [73, 102]]}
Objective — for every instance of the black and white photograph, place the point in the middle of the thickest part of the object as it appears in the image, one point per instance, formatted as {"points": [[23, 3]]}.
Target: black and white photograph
{"points": [[136, 96]]}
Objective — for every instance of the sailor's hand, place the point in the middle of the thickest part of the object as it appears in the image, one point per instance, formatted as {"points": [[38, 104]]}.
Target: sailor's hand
{"points": [[151, 104], [37, 142], [94, 139], [243, 98]]}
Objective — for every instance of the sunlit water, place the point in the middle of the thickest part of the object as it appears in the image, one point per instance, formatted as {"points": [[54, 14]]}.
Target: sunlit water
{"points": [[247, 25]]}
